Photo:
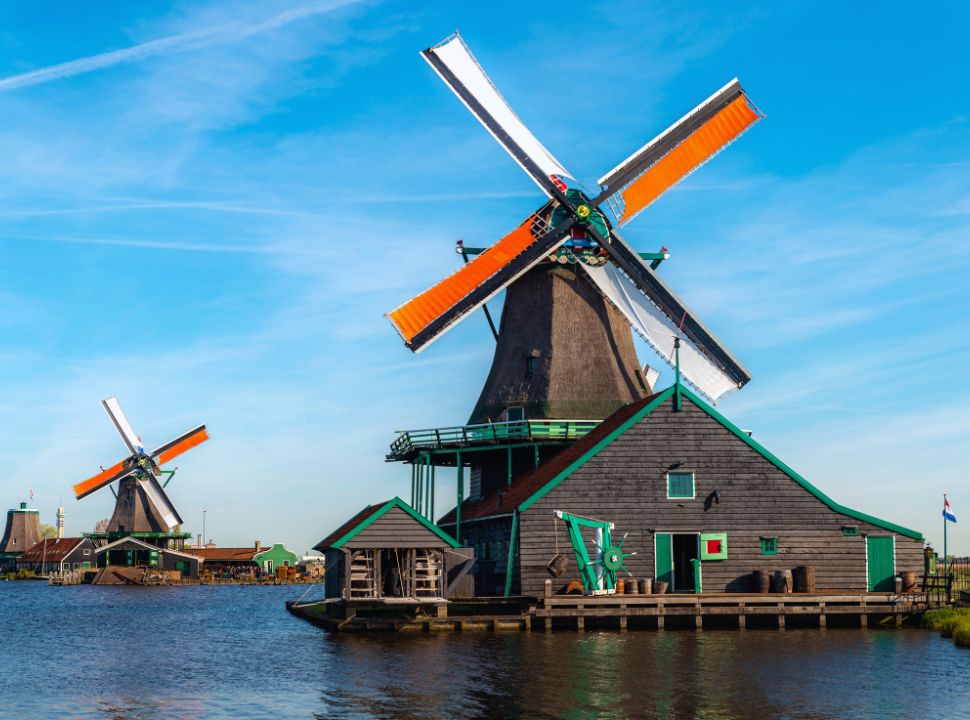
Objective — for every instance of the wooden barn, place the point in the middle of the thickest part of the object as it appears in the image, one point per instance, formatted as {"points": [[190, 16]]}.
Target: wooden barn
{"points": [[58, 555], [700, 501], [386, 551]]}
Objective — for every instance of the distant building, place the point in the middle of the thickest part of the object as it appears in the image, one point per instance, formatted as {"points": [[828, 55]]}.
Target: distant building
{"points": [[132, 552], [58, 555], [21, 533], [255, 559]]}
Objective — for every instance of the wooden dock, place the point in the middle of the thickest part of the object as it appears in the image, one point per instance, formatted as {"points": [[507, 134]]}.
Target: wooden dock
{"points": [[618, 612]]}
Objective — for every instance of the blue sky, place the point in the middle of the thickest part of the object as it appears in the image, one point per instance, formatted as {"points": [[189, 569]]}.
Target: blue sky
{"points": [[206, 209]]}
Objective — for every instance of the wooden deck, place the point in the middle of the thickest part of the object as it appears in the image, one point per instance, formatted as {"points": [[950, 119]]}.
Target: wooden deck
{"points": [[620, 612]]}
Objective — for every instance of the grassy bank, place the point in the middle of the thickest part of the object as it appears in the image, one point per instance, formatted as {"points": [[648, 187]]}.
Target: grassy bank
{"points": [[951, 622]]}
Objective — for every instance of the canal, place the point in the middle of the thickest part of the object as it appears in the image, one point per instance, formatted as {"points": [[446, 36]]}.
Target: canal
{"points": [[234, 652]]}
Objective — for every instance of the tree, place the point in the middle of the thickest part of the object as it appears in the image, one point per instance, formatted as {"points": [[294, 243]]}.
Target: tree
{"points": [[101, 526], [48, 531]]}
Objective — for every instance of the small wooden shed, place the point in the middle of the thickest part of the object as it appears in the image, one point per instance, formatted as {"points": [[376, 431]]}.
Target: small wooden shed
{"points": [[386, 551]]}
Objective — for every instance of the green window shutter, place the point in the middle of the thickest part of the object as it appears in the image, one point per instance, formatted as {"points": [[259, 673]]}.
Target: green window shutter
{"points": [[769, 546], [850, 530], [680, 485], [714, 546], [664, 555]]}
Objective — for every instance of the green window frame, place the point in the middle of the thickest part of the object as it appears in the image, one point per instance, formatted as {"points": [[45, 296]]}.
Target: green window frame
{"points": [[714, 546], [680, 486], [850, 530], [769, 546]]}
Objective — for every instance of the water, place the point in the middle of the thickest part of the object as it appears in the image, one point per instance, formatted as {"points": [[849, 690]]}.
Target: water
{"points": [[234, 652]]}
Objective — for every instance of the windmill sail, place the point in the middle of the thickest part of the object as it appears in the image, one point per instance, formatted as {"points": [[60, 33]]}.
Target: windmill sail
{"points": [[683, 147], [118, 419], [456, 65], [432, 313], [181, 444], [160, 500], [105, 477], [705, 373]]}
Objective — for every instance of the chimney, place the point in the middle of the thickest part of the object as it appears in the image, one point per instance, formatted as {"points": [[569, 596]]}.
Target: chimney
{"points": [[258, 545]]}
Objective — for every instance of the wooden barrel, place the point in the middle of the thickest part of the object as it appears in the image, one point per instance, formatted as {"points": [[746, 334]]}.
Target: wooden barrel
{"points": [[783, 581], [646, 586], [761, 581], [805, 579], [620, 586], [631, 587], [909, 581], [660, 587], [557, 566]]}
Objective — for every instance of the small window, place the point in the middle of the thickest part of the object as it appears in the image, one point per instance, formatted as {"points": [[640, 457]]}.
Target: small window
{"points": [[850, 530], [87, 551], [680, 485], [769, 546], [515, 414], [530, 366]]}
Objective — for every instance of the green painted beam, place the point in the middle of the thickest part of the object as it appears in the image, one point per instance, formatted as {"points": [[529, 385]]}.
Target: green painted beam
{"points": [[513, 546]]}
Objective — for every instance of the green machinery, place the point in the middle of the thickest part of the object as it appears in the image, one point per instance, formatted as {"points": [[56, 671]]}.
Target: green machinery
{"points": [[598, 574]]}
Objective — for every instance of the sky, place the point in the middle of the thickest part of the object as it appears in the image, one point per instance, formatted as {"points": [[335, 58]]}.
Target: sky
{"points": [[206, 209]]}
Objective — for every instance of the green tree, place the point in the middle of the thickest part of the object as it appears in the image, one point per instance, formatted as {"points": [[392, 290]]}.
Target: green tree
{"points": [[48, 531]]}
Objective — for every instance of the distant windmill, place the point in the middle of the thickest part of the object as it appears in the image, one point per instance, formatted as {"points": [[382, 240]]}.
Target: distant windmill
{"points": [[571, 278], [142, 505]]}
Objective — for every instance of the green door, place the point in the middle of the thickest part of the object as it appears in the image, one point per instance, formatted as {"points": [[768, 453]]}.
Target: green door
{"points": [[880, 552], [664, 546]]}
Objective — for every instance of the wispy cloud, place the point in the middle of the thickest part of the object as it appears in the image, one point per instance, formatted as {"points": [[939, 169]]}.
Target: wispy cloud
{"points": [[203, 37]]}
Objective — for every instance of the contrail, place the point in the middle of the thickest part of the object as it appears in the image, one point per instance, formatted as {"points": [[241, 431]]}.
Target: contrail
{"points": [[182, 41]]}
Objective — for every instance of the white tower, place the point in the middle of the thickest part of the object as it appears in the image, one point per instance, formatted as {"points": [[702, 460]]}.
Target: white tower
{"points": [[60, 521]]}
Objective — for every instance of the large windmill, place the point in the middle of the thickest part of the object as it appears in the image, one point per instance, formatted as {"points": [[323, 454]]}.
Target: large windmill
{"points": [[572, 282], [142, 508]]}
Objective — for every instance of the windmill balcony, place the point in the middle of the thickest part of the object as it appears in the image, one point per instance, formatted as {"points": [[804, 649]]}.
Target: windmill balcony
{"points": [[410, 442]]}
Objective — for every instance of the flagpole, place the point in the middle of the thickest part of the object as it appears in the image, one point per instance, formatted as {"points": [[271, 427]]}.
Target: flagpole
{"points": [[945, 573]]}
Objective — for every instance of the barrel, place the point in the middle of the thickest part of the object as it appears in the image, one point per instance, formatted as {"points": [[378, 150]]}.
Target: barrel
{"points": [[909, 581], [646, 586], [761, 581], [783, 581], [660, 587], [805, 579], [620, 586], [557, 566], [574, 587], [631, 587]]}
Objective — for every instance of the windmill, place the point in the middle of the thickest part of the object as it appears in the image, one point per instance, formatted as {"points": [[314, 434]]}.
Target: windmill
{"points": [[142, 504], [572, 282]]}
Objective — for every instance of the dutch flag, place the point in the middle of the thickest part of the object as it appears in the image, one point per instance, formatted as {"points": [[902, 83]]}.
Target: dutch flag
{"points": [[947, 512]]}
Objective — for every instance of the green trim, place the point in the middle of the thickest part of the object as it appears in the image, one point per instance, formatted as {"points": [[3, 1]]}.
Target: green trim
{"points": [[392, 503], [510, 564], [769, 546], [850, 530], [754, 445], [593, 451], [747, 439], [720, 537]]}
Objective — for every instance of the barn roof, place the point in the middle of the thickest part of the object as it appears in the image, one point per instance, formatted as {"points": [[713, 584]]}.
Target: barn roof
{"points": [[531, 487], [55, 550], [368, 515]]}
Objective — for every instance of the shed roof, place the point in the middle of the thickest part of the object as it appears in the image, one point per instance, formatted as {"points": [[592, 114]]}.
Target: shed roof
{"points": [[368, 515], [54, 551], [527, 490]]}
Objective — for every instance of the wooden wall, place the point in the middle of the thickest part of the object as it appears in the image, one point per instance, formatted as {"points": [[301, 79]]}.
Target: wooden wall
{"points": [[626, 484]]}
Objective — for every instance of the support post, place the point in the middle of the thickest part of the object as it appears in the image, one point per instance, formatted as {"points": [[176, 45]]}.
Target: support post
{"points": [[821, 616], [781, 616], [660, 616], [742, 620], [431, 512], [509, 451], [536, 450], [414, 485], [676, 374], [461, 494], [513, 543]]}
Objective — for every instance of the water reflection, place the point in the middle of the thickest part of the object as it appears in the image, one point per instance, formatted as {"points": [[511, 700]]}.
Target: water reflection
{"points": [[231, 652]]}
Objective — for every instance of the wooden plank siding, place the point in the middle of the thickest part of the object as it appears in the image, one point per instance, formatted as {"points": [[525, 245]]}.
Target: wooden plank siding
{"points": [[626, 483], [395, 529]]}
